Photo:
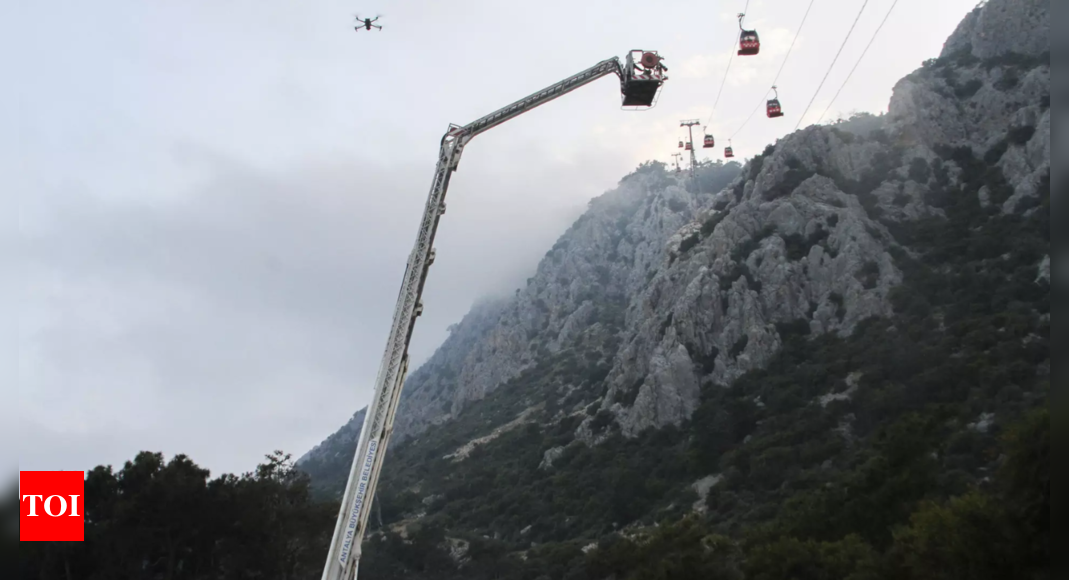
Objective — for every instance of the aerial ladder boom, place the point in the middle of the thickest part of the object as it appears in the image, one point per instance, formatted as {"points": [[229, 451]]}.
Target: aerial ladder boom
{"points": [[641, 76]]}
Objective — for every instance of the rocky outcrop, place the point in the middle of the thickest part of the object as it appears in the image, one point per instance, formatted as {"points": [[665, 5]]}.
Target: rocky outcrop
{"points": [[1000, 26], [465, 450], [702, 487], [1044, 270], [430, 388], [578, 293], [550, 456], [429, 395], [966, 101], [852, 383], [677, 288], [599, 261], [989, 91], [800, 240], [792, 248]]}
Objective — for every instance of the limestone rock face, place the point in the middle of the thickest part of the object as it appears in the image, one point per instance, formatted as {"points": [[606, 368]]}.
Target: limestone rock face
{"points": [[591, 270], [1044, 270], [1001, 26], [793, 248], [431, 388], [677, 286]]}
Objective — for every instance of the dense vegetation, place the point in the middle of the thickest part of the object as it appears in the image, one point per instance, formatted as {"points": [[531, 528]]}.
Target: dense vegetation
{"points": [[156, 519], [1000, 531]]}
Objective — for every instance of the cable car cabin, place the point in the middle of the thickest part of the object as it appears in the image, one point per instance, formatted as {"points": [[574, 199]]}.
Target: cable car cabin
{"points": [[774, 110], [681, 144], [729, 152], [709, 142], [642, 78], [689, 147], [749, 43]]}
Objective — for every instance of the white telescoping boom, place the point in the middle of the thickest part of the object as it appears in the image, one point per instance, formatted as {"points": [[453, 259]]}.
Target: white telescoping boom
{"points": [[640, 83]]}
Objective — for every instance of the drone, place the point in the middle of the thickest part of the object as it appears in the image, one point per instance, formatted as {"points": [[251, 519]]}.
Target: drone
{"points": [[367, 23]]}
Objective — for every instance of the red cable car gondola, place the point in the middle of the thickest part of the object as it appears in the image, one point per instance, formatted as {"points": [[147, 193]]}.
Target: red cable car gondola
{"points": [[774, 108], [728, 151], [749, 42], [680, 143], [709, 142], [689, 147]]}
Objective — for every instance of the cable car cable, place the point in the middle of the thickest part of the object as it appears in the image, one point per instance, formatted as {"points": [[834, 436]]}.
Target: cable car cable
{"points": [[723, 82], [782, 66], [734, 43], [857, 63], [796, 34], [754, 112], [845, 40]]}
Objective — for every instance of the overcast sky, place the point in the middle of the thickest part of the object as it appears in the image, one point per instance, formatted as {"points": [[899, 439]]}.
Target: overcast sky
{"points": [[218, 197]]}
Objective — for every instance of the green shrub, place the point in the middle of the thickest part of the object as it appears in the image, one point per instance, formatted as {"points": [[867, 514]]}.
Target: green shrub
{"points": [[1008, 81], [1021, 135], [710, 224], [742, 252], [837, 300], [798, 327], [740, 346], [1015, 61], [758, 162], [869, 276], [689, 242], [969, 89], [919, 170], [790, 559]]}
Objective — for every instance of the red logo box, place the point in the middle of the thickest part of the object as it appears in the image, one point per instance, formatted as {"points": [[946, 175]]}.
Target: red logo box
{"points": [[52, 506]]}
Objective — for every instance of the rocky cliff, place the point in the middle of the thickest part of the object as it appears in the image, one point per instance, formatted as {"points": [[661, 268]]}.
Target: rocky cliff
{"points": [[668, 287], [581, 288]]}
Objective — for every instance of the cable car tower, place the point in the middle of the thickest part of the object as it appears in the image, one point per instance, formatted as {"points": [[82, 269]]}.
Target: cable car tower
{"points": [[676, 161], [690, 141], [641, 76]]}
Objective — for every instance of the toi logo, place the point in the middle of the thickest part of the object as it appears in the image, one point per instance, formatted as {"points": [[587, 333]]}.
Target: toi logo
{"points": [[51, 506]]}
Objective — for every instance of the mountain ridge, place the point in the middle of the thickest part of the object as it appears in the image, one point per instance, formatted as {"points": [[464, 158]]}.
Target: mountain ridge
{"points": [[497, 340], [814, 343]]}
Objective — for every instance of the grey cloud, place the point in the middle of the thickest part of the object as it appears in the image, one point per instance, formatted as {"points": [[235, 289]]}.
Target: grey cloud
{"points": [[251, 313]]}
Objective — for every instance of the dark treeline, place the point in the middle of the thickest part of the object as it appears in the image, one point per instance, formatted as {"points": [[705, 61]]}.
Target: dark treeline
{"points": [[168, 520], [157, 520]]}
